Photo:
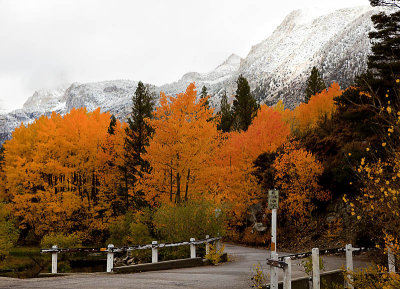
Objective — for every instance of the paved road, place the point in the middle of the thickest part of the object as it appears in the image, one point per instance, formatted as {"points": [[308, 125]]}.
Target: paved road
{"points": [[233, 275]]}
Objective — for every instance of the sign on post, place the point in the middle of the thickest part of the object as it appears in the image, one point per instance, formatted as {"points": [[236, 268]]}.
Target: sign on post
{"points": [[273, 199]]}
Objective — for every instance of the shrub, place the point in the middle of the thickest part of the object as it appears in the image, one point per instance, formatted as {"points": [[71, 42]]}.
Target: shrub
{"points": [[259, 279], [8, 233], [215, 254], [374, 277], [61, 240], [131, 229], [194, 219]]}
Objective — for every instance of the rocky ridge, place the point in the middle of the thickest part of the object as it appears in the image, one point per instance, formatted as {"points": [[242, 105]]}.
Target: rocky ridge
{"points": [[277, 68]]}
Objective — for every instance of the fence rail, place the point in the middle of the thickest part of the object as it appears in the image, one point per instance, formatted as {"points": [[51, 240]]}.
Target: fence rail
{"points": [[284, 262], [110, 250], [325, 252]]}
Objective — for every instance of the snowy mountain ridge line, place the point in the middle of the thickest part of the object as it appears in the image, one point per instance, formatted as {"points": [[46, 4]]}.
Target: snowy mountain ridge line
{"points": [[277, 68]]}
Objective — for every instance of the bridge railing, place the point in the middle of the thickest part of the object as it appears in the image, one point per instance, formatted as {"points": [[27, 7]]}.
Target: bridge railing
{"points": [[110, 250], [284, 263]]}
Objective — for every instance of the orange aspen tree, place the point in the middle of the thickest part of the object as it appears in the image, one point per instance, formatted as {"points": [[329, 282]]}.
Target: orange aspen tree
{"points": [[320, 106], [56, 175], [297, 173], [182, 149], [236, 182]]}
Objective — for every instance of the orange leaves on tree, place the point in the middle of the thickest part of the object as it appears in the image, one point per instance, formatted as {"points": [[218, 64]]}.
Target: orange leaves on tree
{"points": [[296, 177], [182, 149], [321, 106], [235, 160], [57, 172]]}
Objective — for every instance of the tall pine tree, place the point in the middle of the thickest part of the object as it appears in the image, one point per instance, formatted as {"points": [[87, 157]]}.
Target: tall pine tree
{"points": [[225, 114], [204, 94], [390, 3], [384, 62], [113, 123], [244, 105], [315, 84], [138, 134]]}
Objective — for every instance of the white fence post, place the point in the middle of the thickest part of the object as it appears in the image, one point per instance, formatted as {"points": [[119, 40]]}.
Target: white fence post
{"points": [[192, 248], [54, 260], [207, 245], [287, 274], [274, 272], [110, 258], [315, 267], [154, 252], [218, 245], [391, 260], [349, 265]]}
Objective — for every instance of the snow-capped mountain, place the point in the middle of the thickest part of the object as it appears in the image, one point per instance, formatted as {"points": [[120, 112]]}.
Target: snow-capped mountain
{"points": [[277, 68]]}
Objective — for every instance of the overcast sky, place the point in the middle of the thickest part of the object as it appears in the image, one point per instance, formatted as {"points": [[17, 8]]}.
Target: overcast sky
{"points": [[46, 43]]}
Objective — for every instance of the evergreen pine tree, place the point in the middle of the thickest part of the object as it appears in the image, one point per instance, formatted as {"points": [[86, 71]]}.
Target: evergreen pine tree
{"points": [[113, 122], [315, 84], [138, 133], [384, 62], [225, 114], [244, 106], [390, 3], [204, 94]]}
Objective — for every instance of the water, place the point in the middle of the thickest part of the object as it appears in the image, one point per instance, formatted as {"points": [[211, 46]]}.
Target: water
{"points": [[29, 263]]}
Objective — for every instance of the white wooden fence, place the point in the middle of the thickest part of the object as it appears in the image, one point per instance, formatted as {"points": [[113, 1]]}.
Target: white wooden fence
{"points": [[110, 250], [285, 264]]}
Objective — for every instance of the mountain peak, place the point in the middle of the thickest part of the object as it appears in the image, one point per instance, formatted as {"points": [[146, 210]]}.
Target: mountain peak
{"points": [[232, 60], [277, 68]]}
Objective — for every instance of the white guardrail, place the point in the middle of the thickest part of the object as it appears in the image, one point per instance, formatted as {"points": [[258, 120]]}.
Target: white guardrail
{"points": [[110, 250]]}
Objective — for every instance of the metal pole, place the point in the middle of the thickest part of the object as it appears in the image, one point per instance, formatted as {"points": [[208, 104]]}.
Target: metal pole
{"points": [[274, 255], [274, 272], [315, 266], [349, 266], [287, 274], [273, 231]]}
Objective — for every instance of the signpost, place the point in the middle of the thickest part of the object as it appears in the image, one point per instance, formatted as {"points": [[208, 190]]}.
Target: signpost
{"points": [[273, 204]]}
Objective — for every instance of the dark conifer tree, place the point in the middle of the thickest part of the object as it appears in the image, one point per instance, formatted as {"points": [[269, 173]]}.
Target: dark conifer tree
{"points": [[225, 114], [315, 84], [113, 122], [138, 134], [390, 3], [244, 106], [204, 94], [384, 62]]}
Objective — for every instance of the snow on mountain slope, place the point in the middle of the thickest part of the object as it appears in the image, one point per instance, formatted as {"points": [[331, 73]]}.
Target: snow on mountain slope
{"points": [[277, 68], [213, 80], [114, 96], [45, 100]]}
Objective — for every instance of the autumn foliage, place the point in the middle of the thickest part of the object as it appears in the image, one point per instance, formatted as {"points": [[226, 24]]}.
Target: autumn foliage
{"points": [[59, 175], [62, 174], [297, 173], [320, 106], [181, 151]]}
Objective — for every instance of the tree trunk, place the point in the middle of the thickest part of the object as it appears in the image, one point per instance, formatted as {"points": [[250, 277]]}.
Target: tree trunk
{"points": [[178, 188], [187, 185], [170, 193]]}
